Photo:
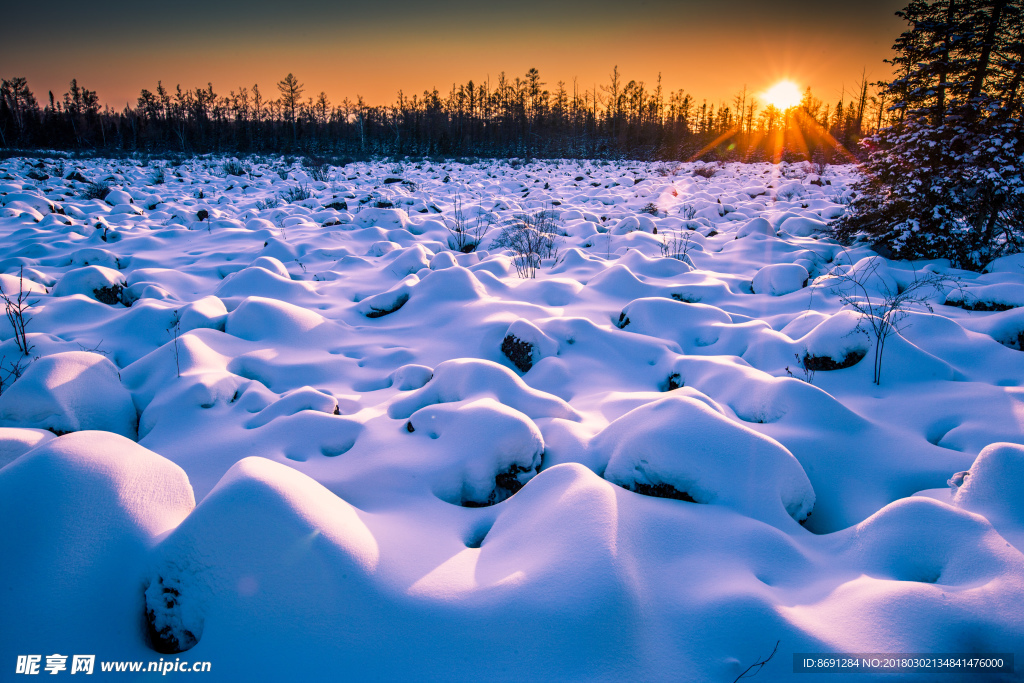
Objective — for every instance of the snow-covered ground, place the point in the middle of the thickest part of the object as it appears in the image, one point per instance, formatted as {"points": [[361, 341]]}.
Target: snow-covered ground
{"points": [[292, 433]]}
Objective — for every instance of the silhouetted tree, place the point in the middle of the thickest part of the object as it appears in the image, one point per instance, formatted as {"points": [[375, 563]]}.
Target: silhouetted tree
{"points": [[291, 91]]}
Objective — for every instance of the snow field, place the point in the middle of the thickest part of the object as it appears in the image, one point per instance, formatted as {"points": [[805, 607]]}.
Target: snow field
{"points": [[316, 431]]}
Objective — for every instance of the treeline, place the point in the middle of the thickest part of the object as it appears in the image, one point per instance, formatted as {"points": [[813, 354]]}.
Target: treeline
{"points": [[517, 117]]}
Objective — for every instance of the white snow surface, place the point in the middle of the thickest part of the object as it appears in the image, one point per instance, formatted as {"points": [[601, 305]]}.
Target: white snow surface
{"points": [[383, 493]]}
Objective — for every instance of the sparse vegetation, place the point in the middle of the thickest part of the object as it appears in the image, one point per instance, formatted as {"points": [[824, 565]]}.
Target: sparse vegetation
{"points": [[16, 307], [465, 233], [530, 238], [174, 330], [756, 667], [10, 371], [317, 168], [807, 369], [95, 191], [297, 194], [706, 171], [881, 303], [677, 244], [233, 167]]}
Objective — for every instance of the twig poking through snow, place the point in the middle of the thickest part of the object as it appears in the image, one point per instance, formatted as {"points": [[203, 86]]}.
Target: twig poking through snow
{"points": [[16, 307], [175, 330], [750, 671]]}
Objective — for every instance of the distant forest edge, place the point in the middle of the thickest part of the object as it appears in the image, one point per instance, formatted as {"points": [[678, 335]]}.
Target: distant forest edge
{"points": [[516, 117]]}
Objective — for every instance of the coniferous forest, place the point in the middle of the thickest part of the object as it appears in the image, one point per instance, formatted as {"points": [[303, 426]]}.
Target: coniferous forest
{"points": [[509, 117]]}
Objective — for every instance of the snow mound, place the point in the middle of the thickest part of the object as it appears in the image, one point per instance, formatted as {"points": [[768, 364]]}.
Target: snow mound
{"points": [[691, 325], [258, 541], [16, 442], [258, 318], [385, 303], [994, 484], [778, 279], [386, 219], [999, 296], [1013, 263], [11, 285], [106, 500], [462, 378], [756, 227], [919, 539], [836, 342], [208, 312], [96, 282], [411, 376], [70, 392], [802, 226], [680, 447], [488, 449], [525, 345]]}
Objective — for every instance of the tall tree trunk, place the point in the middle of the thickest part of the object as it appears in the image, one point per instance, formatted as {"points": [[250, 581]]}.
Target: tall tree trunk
{"points": [[944, 68], [978, 80]]}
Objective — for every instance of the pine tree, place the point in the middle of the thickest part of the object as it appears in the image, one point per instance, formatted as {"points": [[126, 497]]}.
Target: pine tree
{"points": [[944, 180], [291, 98]]}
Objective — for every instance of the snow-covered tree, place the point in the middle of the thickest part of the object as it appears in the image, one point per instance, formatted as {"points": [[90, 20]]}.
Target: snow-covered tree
{"points": [[946, 179]]}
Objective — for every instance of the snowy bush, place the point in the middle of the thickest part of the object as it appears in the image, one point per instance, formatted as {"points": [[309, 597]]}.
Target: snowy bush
{"points": [[530, 238], [943, 181]]}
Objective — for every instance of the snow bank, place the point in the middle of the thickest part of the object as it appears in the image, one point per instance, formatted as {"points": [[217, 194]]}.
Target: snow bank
{"points": [[779, 279], [70, 392], [993, 484], [100, 501], [457, 380], [680, 447]]}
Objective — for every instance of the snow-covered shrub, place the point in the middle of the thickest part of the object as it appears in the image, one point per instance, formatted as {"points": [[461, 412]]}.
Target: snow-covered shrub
{"points": [[100, 501], [706, 170], [524, 345], [296, 194], [97, 190], [486, 450], [233, 167], [97, 282]]}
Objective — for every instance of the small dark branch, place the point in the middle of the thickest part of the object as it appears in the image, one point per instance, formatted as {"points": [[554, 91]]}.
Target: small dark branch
{"points": [[756, 667], [175, 331], [677, 245], [808, 369], [10, 372], [16, 306], [464, 237]]}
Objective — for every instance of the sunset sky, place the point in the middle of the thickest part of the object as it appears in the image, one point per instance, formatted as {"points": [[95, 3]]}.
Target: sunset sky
{"points": [[711, 49]]}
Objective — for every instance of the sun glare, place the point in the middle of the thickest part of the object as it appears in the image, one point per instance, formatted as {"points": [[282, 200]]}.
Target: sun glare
{"points": [[784, 94]]}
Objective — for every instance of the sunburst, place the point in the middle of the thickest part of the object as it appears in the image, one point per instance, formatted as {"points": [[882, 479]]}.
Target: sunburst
{"points": [[783, 95]]}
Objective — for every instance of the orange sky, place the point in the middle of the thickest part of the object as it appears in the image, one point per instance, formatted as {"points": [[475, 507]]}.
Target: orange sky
{"points": [[710, 50]]}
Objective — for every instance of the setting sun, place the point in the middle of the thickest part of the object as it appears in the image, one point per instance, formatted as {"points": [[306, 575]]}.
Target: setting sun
{"points": [[784, 94]]}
